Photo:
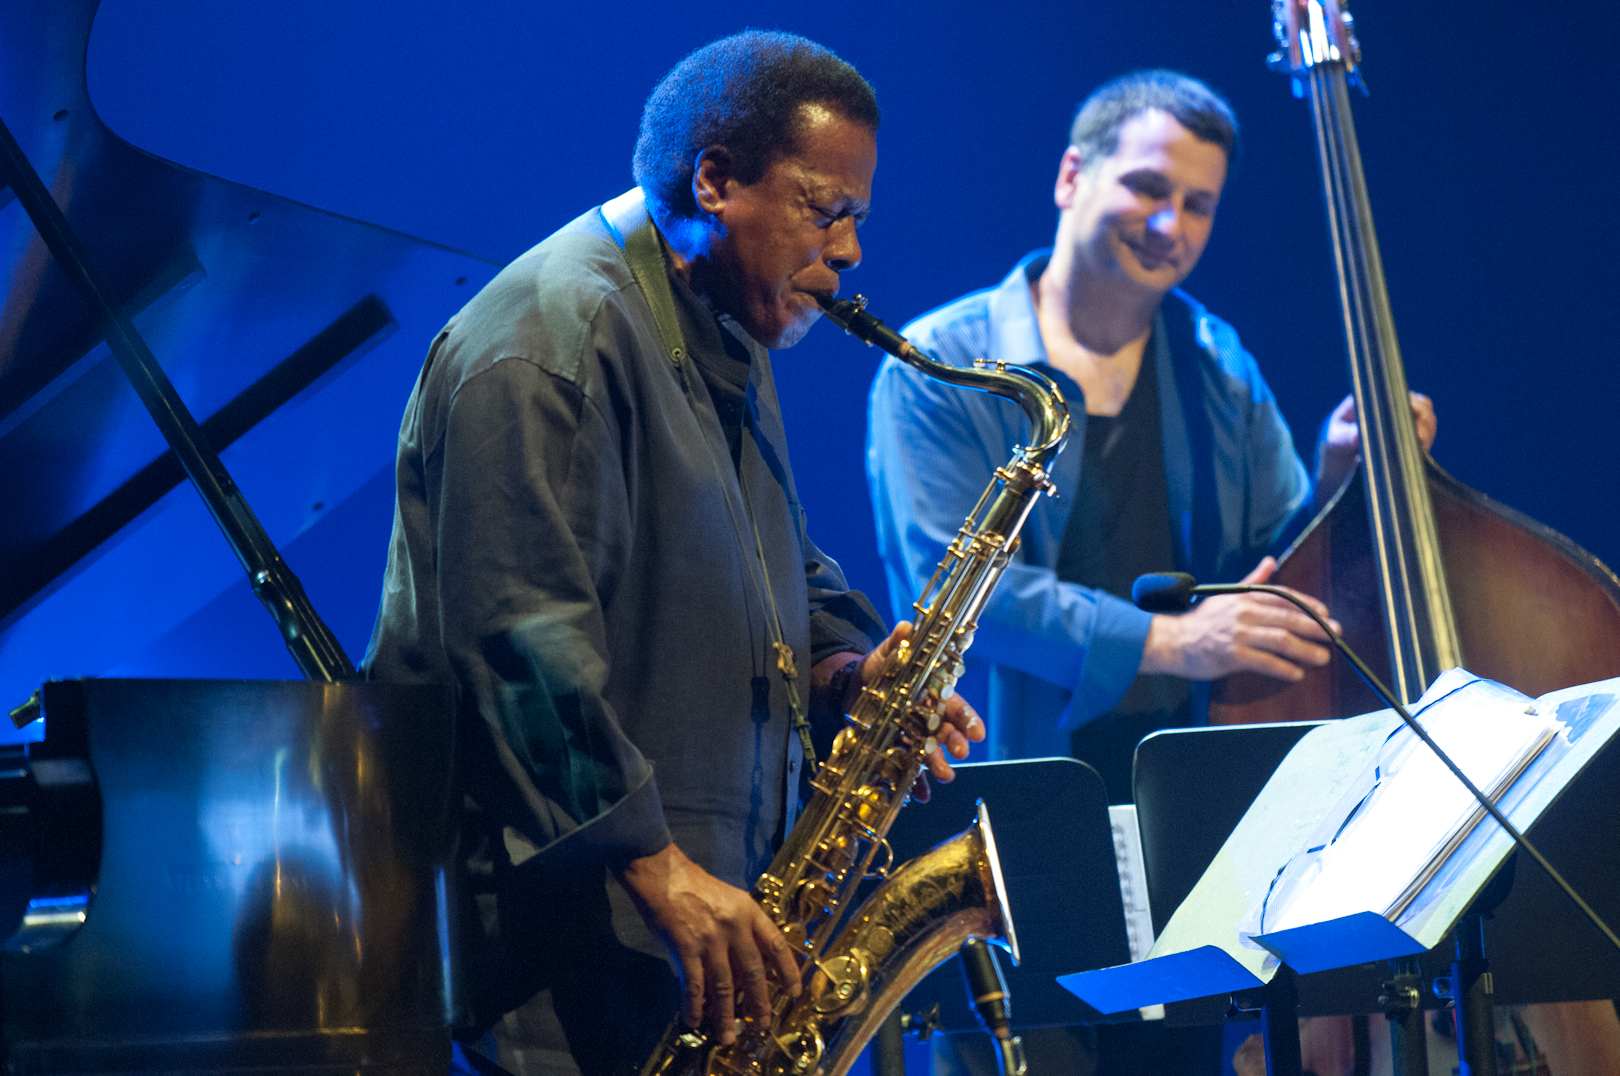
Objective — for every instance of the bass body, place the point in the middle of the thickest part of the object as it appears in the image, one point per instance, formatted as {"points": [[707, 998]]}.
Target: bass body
{"points": [[1533, 610], [1423, 573]]}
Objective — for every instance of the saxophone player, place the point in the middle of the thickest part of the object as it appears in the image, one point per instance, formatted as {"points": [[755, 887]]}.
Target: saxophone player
{"points": [[597, 539]]}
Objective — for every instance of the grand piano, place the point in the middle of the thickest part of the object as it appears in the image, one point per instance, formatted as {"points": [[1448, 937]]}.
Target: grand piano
{"points": [[202, 875]]}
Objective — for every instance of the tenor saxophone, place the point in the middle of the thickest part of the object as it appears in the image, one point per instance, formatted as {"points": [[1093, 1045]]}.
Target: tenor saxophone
{"points": [[856, 967]]}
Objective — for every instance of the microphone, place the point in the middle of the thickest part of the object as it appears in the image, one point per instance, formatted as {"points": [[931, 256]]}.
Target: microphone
{"points": [[988, 991], [1174, 592], [1163, 592]]}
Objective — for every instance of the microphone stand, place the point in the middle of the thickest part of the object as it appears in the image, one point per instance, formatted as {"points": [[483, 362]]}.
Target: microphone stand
{"points": [[1471, 981]]}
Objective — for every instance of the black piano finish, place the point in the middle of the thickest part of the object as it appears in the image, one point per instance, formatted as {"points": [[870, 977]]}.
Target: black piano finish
{"points": [[273, 890], [292, 334]]}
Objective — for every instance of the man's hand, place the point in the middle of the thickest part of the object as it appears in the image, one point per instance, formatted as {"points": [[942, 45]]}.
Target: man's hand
{"points": [[1232, 633], [722, 940], [1341, 442], [958, 725]]}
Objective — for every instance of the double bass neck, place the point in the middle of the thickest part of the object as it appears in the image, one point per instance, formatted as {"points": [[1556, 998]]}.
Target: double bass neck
{"points": [[1411, 578]]}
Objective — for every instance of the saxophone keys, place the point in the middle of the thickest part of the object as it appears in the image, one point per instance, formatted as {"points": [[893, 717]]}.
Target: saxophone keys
{"points": [[870, 804], [803, 1052], [842, 745], [882, 873], [845, 980], [796, 936]]}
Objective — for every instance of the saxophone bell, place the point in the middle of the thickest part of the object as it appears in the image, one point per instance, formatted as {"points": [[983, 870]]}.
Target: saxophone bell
{"points": [[915, 920]]}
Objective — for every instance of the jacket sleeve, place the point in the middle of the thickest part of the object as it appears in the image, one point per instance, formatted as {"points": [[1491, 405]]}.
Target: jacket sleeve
{"points": [[932, 450], [1277, 488], [533, 523], [841, 619]]}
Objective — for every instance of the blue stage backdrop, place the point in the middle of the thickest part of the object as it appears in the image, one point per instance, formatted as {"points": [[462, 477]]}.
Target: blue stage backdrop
{"points": [[1488, 143]]}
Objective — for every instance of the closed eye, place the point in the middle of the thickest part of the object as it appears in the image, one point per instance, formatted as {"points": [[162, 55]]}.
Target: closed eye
{"points": [[1201, 204], [1146, 183], [826, 218]]}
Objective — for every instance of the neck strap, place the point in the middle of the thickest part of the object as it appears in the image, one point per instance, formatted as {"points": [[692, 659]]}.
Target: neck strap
{"points": [[632, 228]]}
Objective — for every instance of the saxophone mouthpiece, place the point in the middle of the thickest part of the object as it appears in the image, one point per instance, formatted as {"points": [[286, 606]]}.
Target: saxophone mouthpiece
{"points": [[840, 308], [851, 316], [841, 311]]}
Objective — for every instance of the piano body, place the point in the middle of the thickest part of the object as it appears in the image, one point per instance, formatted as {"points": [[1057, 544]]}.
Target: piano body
{"points": [[202, 875]]}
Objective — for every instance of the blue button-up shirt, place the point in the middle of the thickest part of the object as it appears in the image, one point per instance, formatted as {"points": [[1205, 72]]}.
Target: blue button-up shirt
{"points": [[1062, 654]]}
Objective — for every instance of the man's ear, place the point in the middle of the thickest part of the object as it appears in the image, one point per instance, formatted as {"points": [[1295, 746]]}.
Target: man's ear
{"points": [[1068, 178], [712, 180]]}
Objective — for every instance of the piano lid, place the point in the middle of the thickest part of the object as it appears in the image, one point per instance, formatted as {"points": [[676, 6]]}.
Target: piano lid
{"points": [[292, 334]]}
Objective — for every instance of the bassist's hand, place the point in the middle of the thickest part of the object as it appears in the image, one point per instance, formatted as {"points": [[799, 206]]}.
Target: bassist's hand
{"points": [[724, 943], [1232, 633], [1341, 442]]}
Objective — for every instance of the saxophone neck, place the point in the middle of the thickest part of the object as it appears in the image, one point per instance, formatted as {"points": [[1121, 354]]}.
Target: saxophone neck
{"points": [[1041, 400], [1030, 389]]}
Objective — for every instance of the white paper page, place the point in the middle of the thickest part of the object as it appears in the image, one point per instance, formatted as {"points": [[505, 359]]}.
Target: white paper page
{"points": [[1133, 890], [1416, 806]]}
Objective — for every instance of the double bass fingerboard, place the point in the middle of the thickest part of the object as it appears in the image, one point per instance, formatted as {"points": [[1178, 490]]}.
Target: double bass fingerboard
{"points": [[1416, 602]]}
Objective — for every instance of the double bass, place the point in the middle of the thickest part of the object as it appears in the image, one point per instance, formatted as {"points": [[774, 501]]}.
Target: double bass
{"points": [[1424, 573]]}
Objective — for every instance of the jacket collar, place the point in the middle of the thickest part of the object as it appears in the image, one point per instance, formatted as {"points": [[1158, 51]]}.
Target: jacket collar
{"points": [[1015, 333]]}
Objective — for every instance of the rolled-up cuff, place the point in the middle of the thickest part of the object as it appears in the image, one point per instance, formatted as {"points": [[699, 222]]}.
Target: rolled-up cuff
{"points": [[630, 829], [1118, 637]]}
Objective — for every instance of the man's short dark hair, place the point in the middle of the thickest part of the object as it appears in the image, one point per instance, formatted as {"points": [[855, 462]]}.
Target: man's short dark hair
{"points": [[742, 92], [1193, 105]]}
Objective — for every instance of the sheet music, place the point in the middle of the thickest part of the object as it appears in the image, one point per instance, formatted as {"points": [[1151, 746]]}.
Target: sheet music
{"points": [[1406, 812], [1133, 890]]}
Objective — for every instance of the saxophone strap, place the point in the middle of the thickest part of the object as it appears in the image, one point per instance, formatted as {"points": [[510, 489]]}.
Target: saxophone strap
{"points": [[632, 228]]}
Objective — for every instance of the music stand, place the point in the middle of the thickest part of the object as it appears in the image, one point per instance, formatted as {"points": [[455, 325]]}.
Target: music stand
{"points": [[1192, 787], [1298, 792], [1057, 858]]}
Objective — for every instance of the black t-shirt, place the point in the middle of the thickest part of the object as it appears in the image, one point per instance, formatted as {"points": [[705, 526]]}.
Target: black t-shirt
{"points": [[726, 376], [1118, 529], [721, 360]]}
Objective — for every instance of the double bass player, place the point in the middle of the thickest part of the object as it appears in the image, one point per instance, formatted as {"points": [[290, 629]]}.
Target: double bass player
{"points": [[1186, 462], [1182, 458]]}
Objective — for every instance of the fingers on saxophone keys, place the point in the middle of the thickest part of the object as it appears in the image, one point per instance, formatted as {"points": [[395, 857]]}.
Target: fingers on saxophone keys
{"points": [[722, 1016], [692, 1002], [920, 789], [965, 720], [756, 996], [778, 956], [937, 763]]}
